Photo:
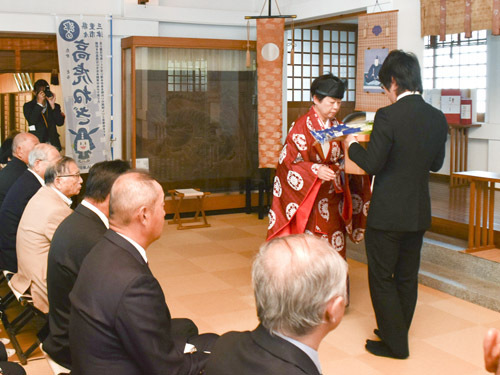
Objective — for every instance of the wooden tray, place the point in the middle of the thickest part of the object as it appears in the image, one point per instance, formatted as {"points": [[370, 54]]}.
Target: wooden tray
{"points": [[350, 166]]}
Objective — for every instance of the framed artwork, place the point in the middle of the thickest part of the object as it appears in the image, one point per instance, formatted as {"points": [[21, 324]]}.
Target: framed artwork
{"points": [[374, 58]]}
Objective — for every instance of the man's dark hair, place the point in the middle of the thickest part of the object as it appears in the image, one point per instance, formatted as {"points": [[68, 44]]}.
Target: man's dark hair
{"points": [[57, 169], [404, 68], [40, 85], [328, 85], [101, 178]]}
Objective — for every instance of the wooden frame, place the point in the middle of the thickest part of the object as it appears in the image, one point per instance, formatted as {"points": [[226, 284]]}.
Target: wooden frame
{"points": [[134, 42]]}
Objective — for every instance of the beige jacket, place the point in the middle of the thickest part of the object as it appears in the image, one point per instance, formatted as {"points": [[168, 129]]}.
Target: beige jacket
{"points": [[42, 215]]}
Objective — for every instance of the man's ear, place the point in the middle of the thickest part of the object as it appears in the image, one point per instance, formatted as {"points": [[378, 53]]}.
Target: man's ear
{"points": [[335, 308], [143, 213]]}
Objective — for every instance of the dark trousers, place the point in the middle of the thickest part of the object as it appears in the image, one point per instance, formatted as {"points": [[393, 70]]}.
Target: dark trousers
{"points": [[393, 263]]}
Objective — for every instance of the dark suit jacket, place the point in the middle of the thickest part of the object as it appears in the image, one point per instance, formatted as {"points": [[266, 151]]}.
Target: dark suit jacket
{"points": [[53, 117], [12, 171], [408, 141], [119, 322], [257, 352], [72, 241], [10, 214]]}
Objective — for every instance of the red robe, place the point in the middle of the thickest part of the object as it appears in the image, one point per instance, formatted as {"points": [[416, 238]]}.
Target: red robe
{"points": [[303, 202]]}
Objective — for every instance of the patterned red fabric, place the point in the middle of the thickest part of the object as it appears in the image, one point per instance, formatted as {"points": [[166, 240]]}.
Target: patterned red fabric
{"points": [[304, 203]]}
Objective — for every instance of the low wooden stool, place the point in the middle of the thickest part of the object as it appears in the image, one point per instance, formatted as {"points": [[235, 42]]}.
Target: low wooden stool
{"points": [[177, 196]]}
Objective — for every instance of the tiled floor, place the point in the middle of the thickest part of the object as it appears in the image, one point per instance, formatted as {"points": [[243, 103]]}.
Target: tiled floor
{"points": [[205, 274]]}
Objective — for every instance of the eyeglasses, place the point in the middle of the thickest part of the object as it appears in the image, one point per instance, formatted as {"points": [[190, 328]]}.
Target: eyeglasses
{"points": [[70, 175]]}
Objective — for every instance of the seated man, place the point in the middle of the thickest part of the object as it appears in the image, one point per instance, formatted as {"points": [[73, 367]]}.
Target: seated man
{"points": [[72, 241], [119, 321], [300, 286], [41, 217], [41, 157], [22, 145]]}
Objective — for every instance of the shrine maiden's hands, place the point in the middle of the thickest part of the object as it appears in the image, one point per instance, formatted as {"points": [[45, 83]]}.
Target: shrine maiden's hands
{"points": [[325, 173], [491, 345]]}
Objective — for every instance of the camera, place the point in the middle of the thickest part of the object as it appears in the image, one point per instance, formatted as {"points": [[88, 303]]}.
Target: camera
{"points": [[47, 92]]}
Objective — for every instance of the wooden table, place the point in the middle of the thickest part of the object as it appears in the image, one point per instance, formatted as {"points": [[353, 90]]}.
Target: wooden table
{"points": [[481, 208], [459, 147], [178, 196]]}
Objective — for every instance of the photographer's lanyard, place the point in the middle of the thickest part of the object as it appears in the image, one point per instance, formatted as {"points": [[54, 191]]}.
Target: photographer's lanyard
{"points": [[44, 120]]}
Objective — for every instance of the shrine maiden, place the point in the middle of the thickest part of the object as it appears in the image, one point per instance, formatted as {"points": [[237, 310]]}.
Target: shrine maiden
{"points": [[312, 193]]}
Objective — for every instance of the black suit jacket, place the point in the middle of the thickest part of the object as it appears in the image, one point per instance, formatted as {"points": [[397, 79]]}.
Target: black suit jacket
{"points": [[257, 352], [408, 141], [10, 214], [12, 171], [46, 132], [119, 322], [72, 241]]}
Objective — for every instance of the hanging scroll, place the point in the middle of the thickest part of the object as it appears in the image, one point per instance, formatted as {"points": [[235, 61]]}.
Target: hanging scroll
{"points": [[377, 36]]}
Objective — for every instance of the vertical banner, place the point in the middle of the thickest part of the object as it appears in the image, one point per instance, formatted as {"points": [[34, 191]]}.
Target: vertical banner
{"points": [[270, 34], [83, 46]]}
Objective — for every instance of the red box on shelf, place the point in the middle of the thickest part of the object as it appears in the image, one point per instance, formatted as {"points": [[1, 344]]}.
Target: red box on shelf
{"points": [[450, 105], [466, 111]]}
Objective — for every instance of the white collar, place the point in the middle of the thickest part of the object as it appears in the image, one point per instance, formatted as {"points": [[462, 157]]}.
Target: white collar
{"points": [[311, 353], [97, 211], [63, 197], [139, 248], [406, 93], [40, 180]]}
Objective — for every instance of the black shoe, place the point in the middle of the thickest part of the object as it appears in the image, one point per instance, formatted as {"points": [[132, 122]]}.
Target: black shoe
{"points": [[380, 348]]}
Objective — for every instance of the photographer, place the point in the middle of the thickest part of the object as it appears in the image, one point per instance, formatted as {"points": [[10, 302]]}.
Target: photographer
{"points": [[43, 114]]}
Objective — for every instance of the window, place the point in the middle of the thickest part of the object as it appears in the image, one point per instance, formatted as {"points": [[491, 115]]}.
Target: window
{"points": [[319, 51], [457, 62], [187, 75]]}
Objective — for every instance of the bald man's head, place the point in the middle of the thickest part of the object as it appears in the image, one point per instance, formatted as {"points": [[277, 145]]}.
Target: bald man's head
{"points": [[136, 207], [22, 145]]}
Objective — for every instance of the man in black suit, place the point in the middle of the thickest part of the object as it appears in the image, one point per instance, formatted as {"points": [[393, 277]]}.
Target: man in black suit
{"points": [[300, 289], [407, 142], [41, 157], [43, 114], [72, 241], [119, 321], [22, 145]]}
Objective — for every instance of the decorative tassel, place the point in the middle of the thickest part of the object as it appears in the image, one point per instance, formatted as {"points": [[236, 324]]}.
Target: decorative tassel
{"points": [[364, 29], [387, 29], [248, 44]]}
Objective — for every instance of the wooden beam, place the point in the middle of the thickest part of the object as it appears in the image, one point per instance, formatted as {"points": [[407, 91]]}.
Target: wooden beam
{"points": [[324, 21], [28, 44], [159, 41]]}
